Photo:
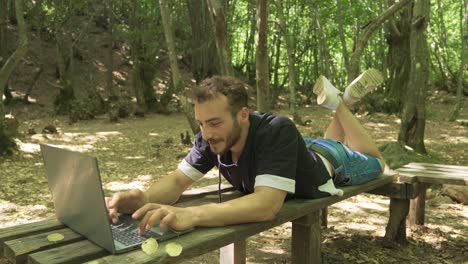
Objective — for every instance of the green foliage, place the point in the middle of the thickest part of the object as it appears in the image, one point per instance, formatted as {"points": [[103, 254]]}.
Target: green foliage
{"points": [[85, 109], [59, 16], [62, 102], [396, 155], [7, 143]]}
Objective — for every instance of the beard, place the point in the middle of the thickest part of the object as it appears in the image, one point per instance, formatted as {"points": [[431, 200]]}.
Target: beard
{"points": [[230, 140]]}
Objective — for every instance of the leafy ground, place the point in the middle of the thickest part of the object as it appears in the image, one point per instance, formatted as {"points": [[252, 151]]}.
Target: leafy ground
{"points": [[138, 151]]}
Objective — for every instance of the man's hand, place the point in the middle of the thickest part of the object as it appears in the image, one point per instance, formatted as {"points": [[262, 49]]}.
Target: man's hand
{"points": [[169, 216], [125, 202]]}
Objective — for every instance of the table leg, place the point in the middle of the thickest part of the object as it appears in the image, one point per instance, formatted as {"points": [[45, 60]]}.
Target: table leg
{"points": [[325, 217], [417, 207], [306, 240], [396, 227], [234, 253]]}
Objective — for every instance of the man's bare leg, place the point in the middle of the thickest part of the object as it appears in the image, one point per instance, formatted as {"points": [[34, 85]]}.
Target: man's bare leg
{"points": [[357, 137], [344, 125], [334, 130]]}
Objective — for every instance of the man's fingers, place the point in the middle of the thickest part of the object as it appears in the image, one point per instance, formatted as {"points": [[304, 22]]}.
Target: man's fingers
{"points": [[156, 217], [114, 216], [168, 219], [143, 222], [112, 210], [143, 210], [114, 201]]}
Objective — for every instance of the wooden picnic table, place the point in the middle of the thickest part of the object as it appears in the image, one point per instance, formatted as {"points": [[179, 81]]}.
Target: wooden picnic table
{"points": [[28, 243], [408, 193]]}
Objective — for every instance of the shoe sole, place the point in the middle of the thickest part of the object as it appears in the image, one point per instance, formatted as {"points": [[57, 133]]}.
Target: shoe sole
{"points": [[365, 83], [318, 87]]}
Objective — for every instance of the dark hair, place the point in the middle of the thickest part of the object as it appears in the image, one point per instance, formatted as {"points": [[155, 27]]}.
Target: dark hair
{"points": [[234, 89]]}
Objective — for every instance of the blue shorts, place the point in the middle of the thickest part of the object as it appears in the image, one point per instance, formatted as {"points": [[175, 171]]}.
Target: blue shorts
{"points": [[354, 167]]}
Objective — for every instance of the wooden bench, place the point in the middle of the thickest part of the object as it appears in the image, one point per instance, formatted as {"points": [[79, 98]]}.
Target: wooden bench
{"points": [[28, 243], [408, 193]]}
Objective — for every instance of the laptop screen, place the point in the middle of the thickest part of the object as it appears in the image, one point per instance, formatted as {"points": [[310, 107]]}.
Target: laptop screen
{"points": [[77, 194]]}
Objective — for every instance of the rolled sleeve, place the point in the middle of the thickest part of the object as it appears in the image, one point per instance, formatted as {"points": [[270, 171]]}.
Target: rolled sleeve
{"points": [[276, 182], [190, 171]]}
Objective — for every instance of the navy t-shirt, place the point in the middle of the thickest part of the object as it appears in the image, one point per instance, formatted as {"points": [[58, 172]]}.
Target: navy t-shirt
{"points": [[274, 155]]}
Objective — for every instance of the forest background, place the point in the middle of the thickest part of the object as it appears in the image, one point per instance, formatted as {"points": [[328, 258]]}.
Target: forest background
{"points": [[110, 78]]}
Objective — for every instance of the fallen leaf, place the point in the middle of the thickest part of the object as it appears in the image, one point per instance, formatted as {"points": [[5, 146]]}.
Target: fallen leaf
{"points": [[150, 246], [174, 249], [54, 237]]}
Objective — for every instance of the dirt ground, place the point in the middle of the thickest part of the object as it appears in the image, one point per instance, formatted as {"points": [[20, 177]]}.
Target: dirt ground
{"points": [[138, 151]]}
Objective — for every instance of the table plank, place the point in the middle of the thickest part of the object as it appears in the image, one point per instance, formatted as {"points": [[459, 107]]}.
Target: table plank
{"points": [[203, 240], [434, 166], [78, 252], [14, 232], [435, 173], [17, 250]]}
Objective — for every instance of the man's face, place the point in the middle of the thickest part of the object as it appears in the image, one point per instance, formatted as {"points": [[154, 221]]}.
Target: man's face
{"points": [[217, 125]]}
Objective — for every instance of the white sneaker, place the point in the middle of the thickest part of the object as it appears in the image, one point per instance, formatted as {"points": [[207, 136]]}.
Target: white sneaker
{"points": [[362, 85], [327, 95]]}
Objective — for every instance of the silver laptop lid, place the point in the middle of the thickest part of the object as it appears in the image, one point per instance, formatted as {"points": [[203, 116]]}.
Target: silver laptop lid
{"points": [[77, 194]]}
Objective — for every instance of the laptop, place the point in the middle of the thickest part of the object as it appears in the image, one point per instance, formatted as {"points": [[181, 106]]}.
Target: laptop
{"points": [[76, 188]]}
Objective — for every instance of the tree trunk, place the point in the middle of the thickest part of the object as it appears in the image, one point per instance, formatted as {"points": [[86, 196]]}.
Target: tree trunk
{"points": [[397, 36], [64, 56], [4, 46], [291, 63], [176, 77], [135, 48], [204, 62], [382, 44], [315, 55], [3, 32], [36, 77], [440, 42], [440, 65], [7, 68], [326, 60], [250, 43], [14, 59], [341, 34], [276, 85], [463, 55], [221, 36], [361, 42], [414, 114], [263, 79], [443, 41], [169, 35], [113, 95]]}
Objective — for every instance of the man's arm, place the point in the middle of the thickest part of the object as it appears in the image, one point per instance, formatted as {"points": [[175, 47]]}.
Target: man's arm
{"points": [[164, 191], [168, 189], [262, 205]]}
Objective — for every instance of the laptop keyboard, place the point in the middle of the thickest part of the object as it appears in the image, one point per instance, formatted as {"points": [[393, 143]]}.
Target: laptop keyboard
{"points": [[126, 232]]}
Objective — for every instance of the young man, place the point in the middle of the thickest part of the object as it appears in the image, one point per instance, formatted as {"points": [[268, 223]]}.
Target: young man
{"points": [[262, 155]]}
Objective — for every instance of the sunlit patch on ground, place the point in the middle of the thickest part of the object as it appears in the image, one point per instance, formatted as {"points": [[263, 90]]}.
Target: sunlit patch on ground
{"points": [[28, 147], [142, 182], [12, 214], [108, 133], [134, 157], [273, 250], [358, 204], [376, 125]]}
